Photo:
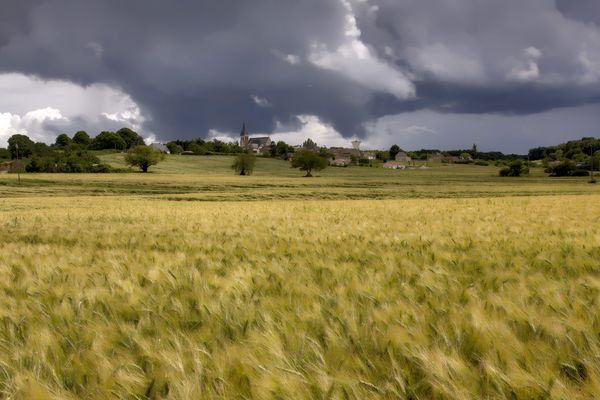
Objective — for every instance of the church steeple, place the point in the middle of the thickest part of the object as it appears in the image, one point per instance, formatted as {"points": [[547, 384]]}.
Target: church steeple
{"points": [[244, 137]]}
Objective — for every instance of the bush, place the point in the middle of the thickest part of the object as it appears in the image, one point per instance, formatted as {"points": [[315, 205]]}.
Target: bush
{"points": [[244, 164], [566, 168], [516, 168], [101, 168], [580, 172], [482, 163], [4, 154], [69, 161]]}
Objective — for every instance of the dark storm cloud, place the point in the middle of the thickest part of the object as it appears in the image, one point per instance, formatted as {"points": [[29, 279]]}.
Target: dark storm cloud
{"points": [[582, 10], [198, 65]]}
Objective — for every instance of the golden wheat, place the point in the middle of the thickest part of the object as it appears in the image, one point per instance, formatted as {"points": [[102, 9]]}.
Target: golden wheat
{"points": [[127, 298]]}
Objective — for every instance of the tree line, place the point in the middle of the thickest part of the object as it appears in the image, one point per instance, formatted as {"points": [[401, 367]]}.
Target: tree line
{"points": [[75, 154], [572, 158]]}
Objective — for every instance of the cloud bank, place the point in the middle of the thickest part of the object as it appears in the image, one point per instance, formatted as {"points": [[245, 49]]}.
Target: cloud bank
{"points": [[189, 67]]}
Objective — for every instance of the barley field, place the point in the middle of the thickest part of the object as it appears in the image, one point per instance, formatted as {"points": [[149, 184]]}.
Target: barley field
{"points": [[144, 297]]}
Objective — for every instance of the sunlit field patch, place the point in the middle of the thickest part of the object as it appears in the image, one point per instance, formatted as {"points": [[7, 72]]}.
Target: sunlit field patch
{"points": [[129, 297]]}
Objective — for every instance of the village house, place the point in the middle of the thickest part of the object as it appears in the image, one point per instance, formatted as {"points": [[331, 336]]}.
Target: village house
{"points": [[450, 159], [340, 162], [369, 155], [402, 157], [8, 166], [436, 158], [258, 145]]}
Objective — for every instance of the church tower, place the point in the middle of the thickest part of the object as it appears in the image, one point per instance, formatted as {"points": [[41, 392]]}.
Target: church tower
{"points": [[244, 138]]}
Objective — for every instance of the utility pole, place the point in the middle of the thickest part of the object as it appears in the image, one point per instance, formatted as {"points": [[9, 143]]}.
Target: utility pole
{"points": [[592, 180], [18, 164]]}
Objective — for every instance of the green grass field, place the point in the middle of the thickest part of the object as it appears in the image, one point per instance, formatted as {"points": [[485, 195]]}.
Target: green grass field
{"points": [[211, 179], [361, 283]]}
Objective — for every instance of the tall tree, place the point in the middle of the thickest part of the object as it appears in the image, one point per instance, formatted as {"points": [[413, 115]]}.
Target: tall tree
{"points": [[394, 150], [108, 140], [62, 140], [310, 145], [25, 144], [131, 138], [81, 138]]}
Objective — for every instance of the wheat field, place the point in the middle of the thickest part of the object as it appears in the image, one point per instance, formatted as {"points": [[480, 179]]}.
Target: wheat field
{"points": [[145, 298]]}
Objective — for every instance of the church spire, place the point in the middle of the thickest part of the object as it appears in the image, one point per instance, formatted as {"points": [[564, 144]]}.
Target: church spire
{"points": [[244, 138]]}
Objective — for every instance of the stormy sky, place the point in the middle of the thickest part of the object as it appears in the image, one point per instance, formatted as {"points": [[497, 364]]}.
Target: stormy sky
{"points": [[507, 75]]}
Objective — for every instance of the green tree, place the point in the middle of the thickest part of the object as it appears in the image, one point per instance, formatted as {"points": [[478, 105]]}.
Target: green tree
{"points": [[62, 140], [174, 148], [131, 138], [81, 138], [395, 149], [594, 161], [108, 140], [4, 154], [244, 164], [308, 161], [310, 145], [325, 152], [143, 157], [25, 144], [281, 149], [41, 149], [382, 155], [196, 148]]}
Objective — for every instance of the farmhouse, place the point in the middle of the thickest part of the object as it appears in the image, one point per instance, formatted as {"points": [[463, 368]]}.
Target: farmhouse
{"points": [[8, 166], [437, 158], [340, 162], [403, 157], [259, 145], [369, 155]]}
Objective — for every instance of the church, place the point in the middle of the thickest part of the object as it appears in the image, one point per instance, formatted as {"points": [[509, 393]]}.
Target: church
{"points": [[258, 145]]}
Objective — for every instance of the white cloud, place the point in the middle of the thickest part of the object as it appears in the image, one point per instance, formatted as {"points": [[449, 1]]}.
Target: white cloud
{"points": [[131, 117], [292, 59], [357, 62], [527, 68], [311, 127], [31, 124], [42, 109], [261, 101], [454, 64], [590, 67]]}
